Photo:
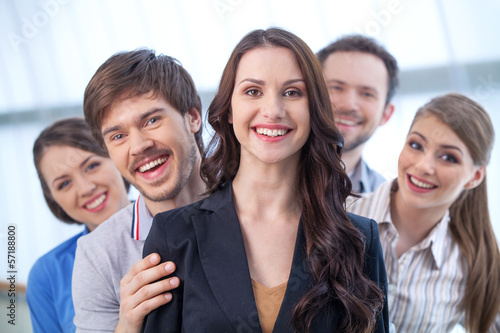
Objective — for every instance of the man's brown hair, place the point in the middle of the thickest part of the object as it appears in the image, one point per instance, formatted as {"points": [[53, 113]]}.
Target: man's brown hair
{"points": [[128, 74]]}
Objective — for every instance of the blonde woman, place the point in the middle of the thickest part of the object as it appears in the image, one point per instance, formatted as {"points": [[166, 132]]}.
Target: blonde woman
{"points": [[441, 255]]}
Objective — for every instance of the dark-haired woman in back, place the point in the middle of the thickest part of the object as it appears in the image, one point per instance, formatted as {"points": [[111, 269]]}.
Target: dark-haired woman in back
{"points": [[81, 185]]}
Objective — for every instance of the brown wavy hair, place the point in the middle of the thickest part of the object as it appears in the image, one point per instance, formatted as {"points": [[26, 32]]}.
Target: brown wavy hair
{"points": [[334, 247], [72, 132], [470, 223]]}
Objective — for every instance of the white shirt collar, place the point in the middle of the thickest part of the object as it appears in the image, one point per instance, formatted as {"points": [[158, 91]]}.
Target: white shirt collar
{"points": [[435, 240]]}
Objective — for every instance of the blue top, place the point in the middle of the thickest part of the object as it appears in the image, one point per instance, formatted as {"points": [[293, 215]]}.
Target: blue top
{"points": [[49, 289], [364, 179]]}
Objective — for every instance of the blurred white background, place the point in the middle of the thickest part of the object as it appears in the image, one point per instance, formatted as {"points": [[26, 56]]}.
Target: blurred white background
{"points": [[49, 49]]}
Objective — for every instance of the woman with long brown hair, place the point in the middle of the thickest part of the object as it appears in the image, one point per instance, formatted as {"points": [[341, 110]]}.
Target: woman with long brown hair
{"points": [[440, 251], [272, 248]]}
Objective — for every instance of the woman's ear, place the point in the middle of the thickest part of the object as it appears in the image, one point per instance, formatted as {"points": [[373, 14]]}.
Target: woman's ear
{"points": [[477, 178]]}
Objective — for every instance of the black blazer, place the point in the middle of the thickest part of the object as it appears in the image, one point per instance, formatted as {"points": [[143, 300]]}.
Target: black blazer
{"points": [[204, 240]]}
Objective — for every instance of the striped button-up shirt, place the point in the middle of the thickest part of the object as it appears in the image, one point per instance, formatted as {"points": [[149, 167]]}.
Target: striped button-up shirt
{"points": [[427, 283]]}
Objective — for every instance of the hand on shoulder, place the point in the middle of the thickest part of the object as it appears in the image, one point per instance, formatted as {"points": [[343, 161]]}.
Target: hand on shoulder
{"points": [[141, 292]]}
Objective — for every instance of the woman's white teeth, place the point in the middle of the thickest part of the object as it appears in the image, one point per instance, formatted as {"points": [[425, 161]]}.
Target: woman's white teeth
{"points": [[271, 132], [97, 201], [152, 164], [420, 184]]}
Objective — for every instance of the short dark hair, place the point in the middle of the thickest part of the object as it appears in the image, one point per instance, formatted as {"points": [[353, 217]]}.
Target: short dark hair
{"points": [[363, 44], [72, 132], [133, 73]]}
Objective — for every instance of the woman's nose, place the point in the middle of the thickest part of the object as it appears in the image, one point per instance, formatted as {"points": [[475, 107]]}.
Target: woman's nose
{"points": [[86, 187], [272, 107], [426, 163]]}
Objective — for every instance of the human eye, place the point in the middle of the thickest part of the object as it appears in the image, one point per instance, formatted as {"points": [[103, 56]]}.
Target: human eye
{"points": [[64, 184], [152, 121], [253, 92], [368, 93], [415, 145], [449, 158], [335, 88], [92, 166], [117, 137], [293, 93]]}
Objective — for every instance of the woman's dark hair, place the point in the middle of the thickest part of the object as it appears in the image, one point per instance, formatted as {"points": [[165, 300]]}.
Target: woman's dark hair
{"points": [[334, 247], [72, 132]]}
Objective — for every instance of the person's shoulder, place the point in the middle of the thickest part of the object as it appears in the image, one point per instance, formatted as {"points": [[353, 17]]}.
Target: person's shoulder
{"points": [[363, 224], [216, 201], [368, 228], [177, 226], [173, 229], [66, 248], [115, 227], [184, 213], [117, 222], [51, 261], [369, 203]]}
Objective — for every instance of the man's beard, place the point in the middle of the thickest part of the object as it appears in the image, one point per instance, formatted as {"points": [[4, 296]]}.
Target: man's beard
{"points": [[360, 139], [184, 173], [356, 142]]}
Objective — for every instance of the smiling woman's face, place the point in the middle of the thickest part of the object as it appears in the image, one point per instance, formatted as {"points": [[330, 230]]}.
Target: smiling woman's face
{"points": [[88, 187], [435, 166], [270, 109]]}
